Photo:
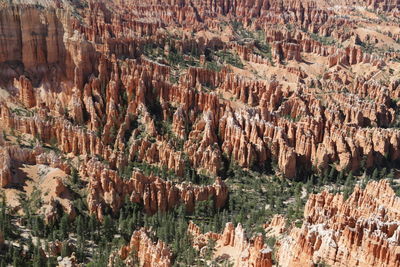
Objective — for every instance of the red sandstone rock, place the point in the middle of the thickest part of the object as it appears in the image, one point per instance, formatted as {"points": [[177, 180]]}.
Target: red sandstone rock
{"points": [[26, 93], [94, 93], [148, 252], [359, 231], [277, 226], [234, 244], [286, 51], [5, 169], [107, 188]]}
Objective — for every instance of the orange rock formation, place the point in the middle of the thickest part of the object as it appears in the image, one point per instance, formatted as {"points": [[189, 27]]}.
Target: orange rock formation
{"points": [[360, 231], [235, 246], [148, 253]]}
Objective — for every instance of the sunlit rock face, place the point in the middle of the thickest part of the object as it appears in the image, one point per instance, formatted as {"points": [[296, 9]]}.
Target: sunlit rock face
{"points": [[234, 245], [156, 102], [360, 231]]}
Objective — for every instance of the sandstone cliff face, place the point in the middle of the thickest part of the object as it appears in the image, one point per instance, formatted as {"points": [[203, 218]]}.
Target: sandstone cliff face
{"points": [[26, 93], [20, 41], [268, 121], [234, 244], [360, 231], [5, 171], [33, 40]]}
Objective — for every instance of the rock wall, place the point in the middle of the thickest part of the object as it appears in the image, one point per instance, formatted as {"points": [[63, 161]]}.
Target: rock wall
{"points": [[5, 171]]}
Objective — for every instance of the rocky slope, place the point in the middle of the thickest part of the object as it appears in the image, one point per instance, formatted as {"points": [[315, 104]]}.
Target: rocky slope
{"points": [[154, 104], [78, 72], [360, 231], [234, 246]]}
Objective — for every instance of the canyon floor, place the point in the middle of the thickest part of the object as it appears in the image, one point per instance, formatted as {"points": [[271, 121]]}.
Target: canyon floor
{"points": [[250, 133]]}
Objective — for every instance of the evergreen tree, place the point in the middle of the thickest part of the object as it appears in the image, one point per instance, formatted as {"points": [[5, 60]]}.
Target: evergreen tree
{"points": [[65, 249], [383, 172], [108, 228], [74, 176], [211, 243], [297, 194], [366, 180], [80, 226], [38, 261], [93, 228], [64, 226], [340, 178], [375, 175], [16, 258], [390, 175], [332, 174], [348, 185]]}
